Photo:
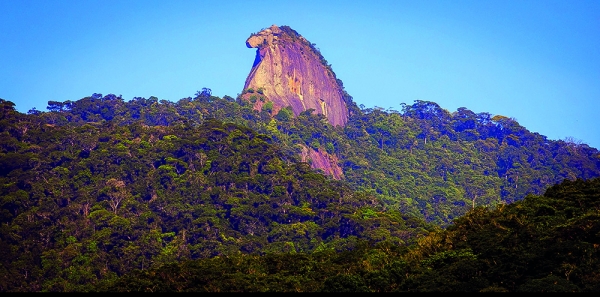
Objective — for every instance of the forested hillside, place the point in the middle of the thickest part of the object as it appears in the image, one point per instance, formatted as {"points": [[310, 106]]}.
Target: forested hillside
{"points": [[422, 160], [547, 243], [85, 203], [98, 189]]}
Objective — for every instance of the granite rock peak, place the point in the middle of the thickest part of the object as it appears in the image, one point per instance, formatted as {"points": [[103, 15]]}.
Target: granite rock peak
{"points": [[290, 71]]}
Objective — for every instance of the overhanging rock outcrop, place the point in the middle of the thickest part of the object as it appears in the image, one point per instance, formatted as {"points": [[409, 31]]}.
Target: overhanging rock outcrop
{"points": [[289, 71]]}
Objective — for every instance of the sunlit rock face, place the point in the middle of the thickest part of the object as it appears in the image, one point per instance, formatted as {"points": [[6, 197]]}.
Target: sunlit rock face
{"points": [[320, 159], [290, 71]]}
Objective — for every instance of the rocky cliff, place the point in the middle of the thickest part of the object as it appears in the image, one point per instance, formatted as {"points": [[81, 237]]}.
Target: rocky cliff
{"points": [[290, 71], [320, 159]]}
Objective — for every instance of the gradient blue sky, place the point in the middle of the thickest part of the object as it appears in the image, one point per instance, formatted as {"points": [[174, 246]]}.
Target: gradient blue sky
{"points": [[535, 61]]}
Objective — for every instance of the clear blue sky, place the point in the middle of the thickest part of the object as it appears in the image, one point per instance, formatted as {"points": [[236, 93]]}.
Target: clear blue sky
{"points": [[536, 61]]}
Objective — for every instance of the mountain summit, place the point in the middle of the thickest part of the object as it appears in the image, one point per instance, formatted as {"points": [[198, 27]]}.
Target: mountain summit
{"points": [[290, 71]]}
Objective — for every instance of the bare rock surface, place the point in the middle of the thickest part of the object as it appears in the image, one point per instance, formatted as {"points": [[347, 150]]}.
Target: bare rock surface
{"points": [[322, 160], [290, 71]]}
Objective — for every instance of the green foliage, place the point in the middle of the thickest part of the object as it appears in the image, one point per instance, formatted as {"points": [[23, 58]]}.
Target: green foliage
{"points": [[96, 202], [101, 193], [268, 107], [504, 249], [285, 114]]}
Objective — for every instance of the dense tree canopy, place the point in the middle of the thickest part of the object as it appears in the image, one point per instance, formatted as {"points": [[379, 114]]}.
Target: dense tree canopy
{"points": [[106, 194], [545, 243]]}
